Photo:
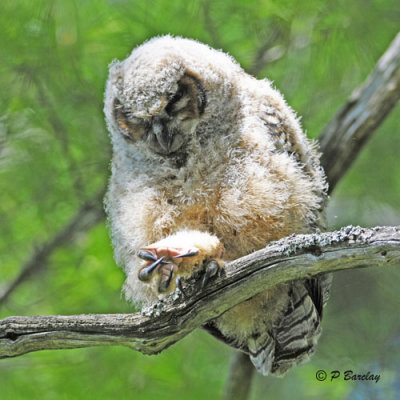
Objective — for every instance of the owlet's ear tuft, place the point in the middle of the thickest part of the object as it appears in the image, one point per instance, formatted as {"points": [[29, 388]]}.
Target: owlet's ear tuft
{"points": [[197, 90], [189, 101]]}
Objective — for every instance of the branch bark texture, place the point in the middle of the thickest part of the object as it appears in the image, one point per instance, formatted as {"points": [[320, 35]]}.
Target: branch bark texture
{"points": [[156, 328]]}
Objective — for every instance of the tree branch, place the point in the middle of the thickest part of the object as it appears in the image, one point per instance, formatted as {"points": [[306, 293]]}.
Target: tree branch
{"points": [[268, 51], [156, 328], [240, 376], [354, 123]]}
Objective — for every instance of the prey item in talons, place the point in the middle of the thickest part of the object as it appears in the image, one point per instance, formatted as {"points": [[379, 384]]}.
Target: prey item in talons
{"points": [[145, 273]]}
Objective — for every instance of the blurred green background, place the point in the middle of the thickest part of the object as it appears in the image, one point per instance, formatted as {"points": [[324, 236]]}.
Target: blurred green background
{"points": [[54, 158]]}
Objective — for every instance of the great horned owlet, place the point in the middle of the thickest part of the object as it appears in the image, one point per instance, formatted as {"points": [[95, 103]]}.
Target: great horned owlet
{"points": [[210, 164]]}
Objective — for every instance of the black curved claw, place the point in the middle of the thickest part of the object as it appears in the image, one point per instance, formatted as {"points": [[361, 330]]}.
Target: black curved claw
{"points": [[145, 273], [190, 254], [164, 284], [211, 269], [180, 287], [146, 255]]}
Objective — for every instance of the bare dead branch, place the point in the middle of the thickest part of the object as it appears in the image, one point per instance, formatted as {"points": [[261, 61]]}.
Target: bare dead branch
{"points": [[153, 330], [354, 123], [86, 217]]}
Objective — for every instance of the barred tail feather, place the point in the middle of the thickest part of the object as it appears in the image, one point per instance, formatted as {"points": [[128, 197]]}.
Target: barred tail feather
{"points": [[262, 352], [294, 339]]}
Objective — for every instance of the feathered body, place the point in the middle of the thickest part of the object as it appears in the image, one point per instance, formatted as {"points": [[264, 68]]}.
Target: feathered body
{"points": [[237, 172]]}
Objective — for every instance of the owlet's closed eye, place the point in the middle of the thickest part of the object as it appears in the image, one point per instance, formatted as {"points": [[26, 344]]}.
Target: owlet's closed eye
{"points": [[131, 128]]}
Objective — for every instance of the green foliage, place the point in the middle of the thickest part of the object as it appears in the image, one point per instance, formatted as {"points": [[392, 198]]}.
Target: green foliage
{"points": [[54, 154]]}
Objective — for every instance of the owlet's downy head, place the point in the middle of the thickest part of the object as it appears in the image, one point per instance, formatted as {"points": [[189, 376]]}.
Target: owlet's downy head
{"points": [[157, 97]]}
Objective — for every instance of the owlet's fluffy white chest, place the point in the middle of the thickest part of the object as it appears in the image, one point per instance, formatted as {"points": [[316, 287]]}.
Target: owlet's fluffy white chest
{"points": [[210, 164]]}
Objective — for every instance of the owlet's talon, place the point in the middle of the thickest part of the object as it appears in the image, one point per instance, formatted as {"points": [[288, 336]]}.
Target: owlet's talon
{"points": [[180, 287], [146, 255], [190, 253], [212, 268], [146, 272]]}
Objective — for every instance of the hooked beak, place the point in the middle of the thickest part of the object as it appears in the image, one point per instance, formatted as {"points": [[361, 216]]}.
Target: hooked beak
{"points": [[164, 137]]}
